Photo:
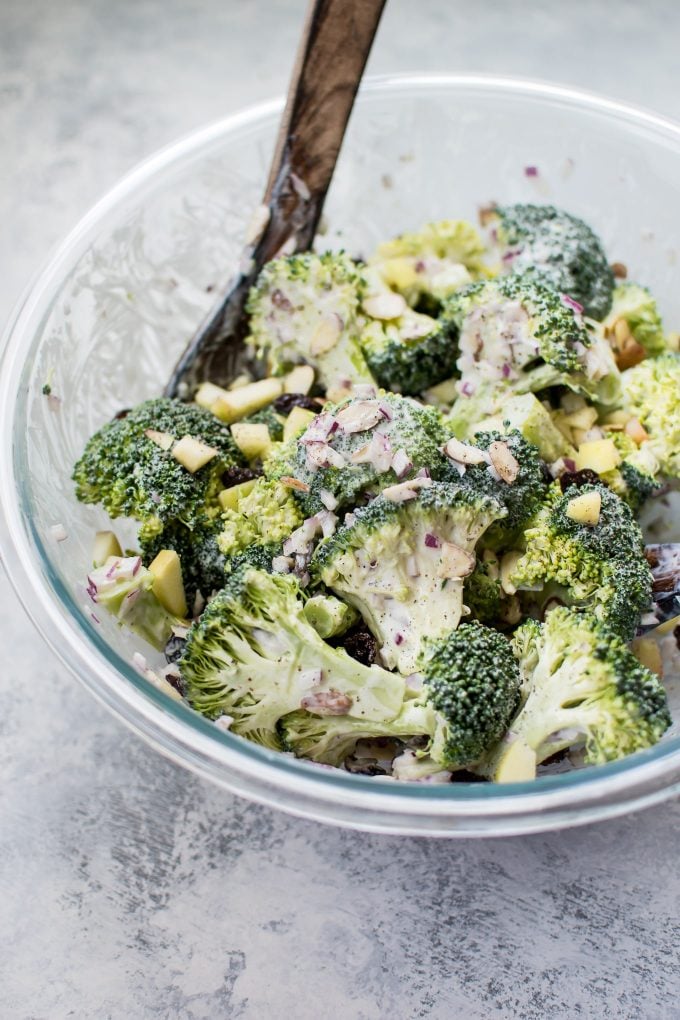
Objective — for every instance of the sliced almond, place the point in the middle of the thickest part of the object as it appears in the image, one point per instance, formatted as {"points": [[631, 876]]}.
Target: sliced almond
{"points": [[585, 509], [327, 703], [162, 439], [385, 306], [359, 416], [326, 335], [504, 461], [294, 483], [454, 561], [636, 431], [464, 453], [193, 454], [405, 490], [299, 380]]}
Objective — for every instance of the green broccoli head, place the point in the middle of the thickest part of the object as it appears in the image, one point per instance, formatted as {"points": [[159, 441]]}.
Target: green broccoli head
{"points": [[652, 395], [583, 685], [470, 689], [254, 655], [410, 353], [124, 588], [636, 477], [203, 562], [600, 566], [428, 266], [517, 334], [266, 515], [511, 472], [636, 306], [359, 447], [128, 465], [401, 561], [559, 248], [482, 593], [305, 308]]}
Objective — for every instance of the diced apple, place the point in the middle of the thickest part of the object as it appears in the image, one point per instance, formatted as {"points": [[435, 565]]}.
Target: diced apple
{"points": [[105, 545], [443, 393], [636, 431], [192, 454], [162, 439], [599, 455], [299, 380], [648, 653], [230, 498], [517, 765], [616, 418], [252, 440], [298, 420], [168, 586], [238, 404], [585, 509], [207, 393], [583, 418], [400, 273]]}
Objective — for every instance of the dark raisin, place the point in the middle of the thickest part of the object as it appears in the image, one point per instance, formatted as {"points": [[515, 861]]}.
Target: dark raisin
{"points": [[545, 471], [364, 766], [287, 401], [123, 413], [174, 649], [558, 756], [236, 475], [360, 644], [652, 556], [578, 478], [664, 582], [676, 635], [177, 682], [463, 776]]}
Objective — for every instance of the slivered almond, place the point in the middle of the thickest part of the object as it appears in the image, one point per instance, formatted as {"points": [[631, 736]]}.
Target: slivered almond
{"points": [[405, 490], [464, 453], [359, 416], [327, 703], [454, 561], [326, 335], [294, 483], [504, 461]]}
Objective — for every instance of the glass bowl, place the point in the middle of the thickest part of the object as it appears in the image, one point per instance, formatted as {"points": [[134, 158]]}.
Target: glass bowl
{"points": [[108, 316]]}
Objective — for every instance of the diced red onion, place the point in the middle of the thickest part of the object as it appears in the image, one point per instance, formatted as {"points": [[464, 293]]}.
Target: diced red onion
{"points": [[95, 618], [506, 370], [531, 171], [318, 430], [467, 389], [431, 541], [398, 639], [328, 522], [423, 473], [569, 302], [386, 410]]}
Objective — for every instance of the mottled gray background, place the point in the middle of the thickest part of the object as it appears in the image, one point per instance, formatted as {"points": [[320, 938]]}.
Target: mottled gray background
{"points": [[127, 887]]}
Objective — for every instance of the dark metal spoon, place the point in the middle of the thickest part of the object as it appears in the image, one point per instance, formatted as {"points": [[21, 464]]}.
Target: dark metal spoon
{"points": [[333, 51]]}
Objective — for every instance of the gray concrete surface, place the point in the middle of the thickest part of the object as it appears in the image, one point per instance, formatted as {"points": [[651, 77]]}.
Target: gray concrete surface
{"points": [[129, 889]]}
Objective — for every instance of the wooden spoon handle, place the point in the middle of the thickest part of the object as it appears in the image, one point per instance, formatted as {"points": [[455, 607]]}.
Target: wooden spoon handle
{"points": [[333, 52]]}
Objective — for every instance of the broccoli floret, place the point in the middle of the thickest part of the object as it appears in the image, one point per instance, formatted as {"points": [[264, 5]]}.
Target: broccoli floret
{"points": [[428, 266], [635, 478], [267, 514], [305, 308], [359, 447], [470, 690], [636, 306], [203, 562], [527, 414], [330, 617], [267, 416], [131, 475], [561, 249], [402, 564], [600, 566], [517, 335], [124, 588], [652, 395], [583, 685], [411, 353], [254, 656], [482, 593], [521, 491]]}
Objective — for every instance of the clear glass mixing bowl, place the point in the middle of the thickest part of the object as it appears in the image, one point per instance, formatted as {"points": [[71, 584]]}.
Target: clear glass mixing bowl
{"points": [[109, 314]]}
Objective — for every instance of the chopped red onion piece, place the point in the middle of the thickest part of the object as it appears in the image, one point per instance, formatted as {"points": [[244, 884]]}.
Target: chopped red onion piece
{"points": [[431, 541], [531, 171], [386, 410], [95, 618], [364, 391], [300, 541], [569, 464], [398, 639], [506, 370], [401, 463], [318, 430], [328, 522], [423, 473], [569, 302], [328, 499], [467, 389]]}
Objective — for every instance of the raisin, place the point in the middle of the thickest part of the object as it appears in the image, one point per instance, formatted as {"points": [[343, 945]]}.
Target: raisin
{"points": [[579, 478], [361, 645], [676, 635], [123, 413], [287, 401], [178, 683], [237, 475]]}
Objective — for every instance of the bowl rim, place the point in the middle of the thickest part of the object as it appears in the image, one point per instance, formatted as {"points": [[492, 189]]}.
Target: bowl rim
{"points": [[273, 778]]}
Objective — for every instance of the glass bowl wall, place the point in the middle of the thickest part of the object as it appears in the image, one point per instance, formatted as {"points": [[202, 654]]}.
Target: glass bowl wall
{"points": [[109, 315]]}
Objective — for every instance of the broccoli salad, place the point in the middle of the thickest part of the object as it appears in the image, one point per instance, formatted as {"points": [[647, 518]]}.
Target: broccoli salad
{"points": [[406, 542]]}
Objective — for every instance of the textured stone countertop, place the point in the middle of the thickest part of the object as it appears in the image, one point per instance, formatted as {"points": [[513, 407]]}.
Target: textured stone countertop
{"points": [[130, 889]]}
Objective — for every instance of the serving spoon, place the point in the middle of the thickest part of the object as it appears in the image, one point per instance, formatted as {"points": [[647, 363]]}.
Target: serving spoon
{"points": [[335, 44]]}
